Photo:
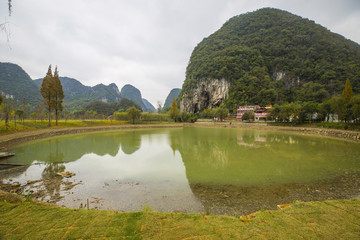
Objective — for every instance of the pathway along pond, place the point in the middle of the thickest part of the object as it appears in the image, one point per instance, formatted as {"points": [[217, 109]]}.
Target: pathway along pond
{"points": [[206, 170]]}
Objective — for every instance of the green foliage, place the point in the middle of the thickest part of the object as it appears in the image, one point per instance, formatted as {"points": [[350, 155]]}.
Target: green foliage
{"points": [[355, 107], [173, 110], [248, 115], [47, 91], [107, 109], [53, 94], [16, 82], [58, 95], [347, 93], [1, 99], [120, 116], [7, 108], [164, 110], [133, 114], [271, 56], [338, 105], [155, 117], [221, 112]]}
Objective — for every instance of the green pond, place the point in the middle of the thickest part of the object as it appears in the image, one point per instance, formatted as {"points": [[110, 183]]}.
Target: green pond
{"points": [[207, 170]]}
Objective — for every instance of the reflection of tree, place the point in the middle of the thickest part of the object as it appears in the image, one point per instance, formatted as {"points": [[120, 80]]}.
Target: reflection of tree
{"points": [[281, 168], [131, 142], [215, 156], [204, 150], [68, 149], [51, 181]]}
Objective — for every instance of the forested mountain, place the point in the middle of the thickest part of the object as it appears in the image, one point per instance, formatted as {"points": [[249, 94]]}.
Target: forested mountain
{"points": [[130, 92], [270, 56], [148, 105], [108, 109], [78, 95], [15, 82], [173, 93]]}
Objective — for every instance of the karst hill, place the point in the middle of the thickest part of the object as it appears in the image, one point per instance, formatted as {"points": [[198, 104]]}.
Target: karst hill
{"points": [[269, 56]]}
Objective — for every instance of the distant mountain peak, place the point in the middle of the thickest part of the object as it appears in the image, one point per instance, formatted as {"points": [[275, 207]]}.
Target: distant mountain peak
{"points": [[173, 93]]}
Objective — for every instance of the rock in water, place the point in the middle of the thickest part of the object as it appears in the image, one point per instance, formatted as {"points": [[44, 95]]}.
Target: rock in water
{"points": [[65, 174]]}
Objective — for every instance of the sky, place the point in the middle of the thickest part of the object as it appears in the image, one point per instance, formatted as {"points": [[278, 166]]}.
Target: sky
{"points": [[145, 43]]}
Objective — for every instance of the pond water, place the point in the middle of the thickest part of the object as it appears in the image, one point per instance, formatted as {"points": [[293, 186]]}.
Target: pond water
{"points": [[206, 170]]}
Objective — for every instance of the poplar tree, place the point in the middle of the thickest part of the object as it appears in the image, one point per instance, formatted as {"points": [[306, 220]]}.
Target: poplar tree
{"points": [[347, 94], [47, 91], [173, 110], [58, 95]]}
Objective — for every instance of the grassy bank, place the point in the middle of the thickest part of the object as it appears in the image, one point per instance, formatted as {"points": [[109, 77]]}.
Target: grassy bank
{"points": [[311, 220], [330, 125], [33, 125]]}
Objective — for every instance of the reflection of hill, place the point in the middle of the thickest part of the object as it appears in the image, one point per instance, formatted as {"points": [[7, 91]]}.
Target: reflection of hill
{"points": [[72, 148], [230, 156], [238, 172]]}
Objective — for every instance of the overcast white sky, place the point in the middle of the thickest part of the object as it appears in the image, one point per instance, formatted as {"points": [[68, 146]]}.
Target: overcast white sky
{"points": [[146, 43]]}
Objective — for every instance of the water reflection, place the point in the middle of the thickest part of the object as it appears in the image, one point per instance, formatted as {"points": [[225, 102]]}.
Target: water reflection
{"points": [[52, 182], [122, 171], [225, 171], [68, 149], [231, 156]]}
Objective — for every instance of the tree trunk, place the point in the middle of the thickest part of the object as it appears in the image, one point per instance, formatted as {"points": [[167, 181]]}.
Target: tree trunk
{"points": [[56, 116], [49, 117]]}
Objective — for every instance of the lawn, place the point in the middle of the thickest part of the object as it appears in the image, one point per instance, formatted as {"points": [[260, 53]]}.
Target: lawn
{"points": [[338, 219]]}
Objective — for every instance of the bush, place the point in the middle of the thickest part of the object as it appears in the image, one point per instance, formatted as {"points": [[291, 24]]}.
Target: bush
{"points": [[121, 116], [158, 117], [248, 115]]}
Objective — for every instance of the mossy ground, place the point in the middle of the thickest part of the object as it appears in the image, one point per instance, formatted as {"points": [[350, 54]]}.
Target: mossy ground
{"points": [[21, 219]]}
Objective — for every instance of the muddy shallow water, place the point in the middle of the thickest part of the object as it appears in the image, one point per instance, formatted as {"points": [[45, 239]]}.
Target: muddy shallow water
{"points": [[220, 171]]}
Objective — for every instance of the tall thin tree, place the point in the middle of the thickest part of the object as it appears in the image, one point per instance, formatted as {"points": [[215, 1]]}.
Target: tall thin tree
{"points": [[59, 95], [173, 110], [347, 94], [47, 91]]}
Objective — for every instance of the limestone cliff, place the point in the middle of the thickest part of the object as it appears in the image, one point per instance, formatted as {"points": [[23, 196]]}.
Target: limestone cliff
{"points": [[208, 93]]}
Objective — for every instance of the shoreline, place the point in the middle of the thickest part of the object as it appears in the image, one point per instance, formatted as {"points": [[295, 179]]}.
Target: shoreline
{"points": [[8, 141], [349, 135]]}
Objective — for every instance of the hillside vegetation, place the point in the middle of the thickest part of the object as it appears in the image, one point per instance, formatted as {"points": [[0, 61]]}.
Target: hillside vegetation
{"points": [[15, 82], [272, 56]]}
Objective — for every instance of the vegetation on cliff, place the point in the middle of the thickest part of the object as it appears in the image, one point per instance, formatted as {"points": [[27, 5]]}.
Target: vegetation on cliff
{"points": [[272, 56]]}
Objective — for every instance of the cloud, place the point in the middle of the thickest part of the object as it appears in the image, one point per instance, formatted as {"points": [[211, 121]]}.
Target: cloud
{"points": [[145, 43]]}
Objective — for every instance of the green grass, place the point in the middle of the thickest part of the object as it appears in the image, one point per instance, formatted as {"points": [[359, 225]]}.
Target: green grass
{"points": [[333, 125], [31, 124], [302, 220]]}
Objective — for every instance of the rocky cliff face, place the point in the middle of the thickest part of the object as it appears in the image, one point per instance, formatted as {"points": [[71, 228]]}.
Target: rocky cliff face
{"points": [[208, 93]]}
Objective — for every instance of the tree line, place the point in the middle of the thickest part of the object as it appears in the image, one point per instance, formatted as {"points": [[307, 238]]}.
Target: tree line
{"points": [[346, 107]]}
